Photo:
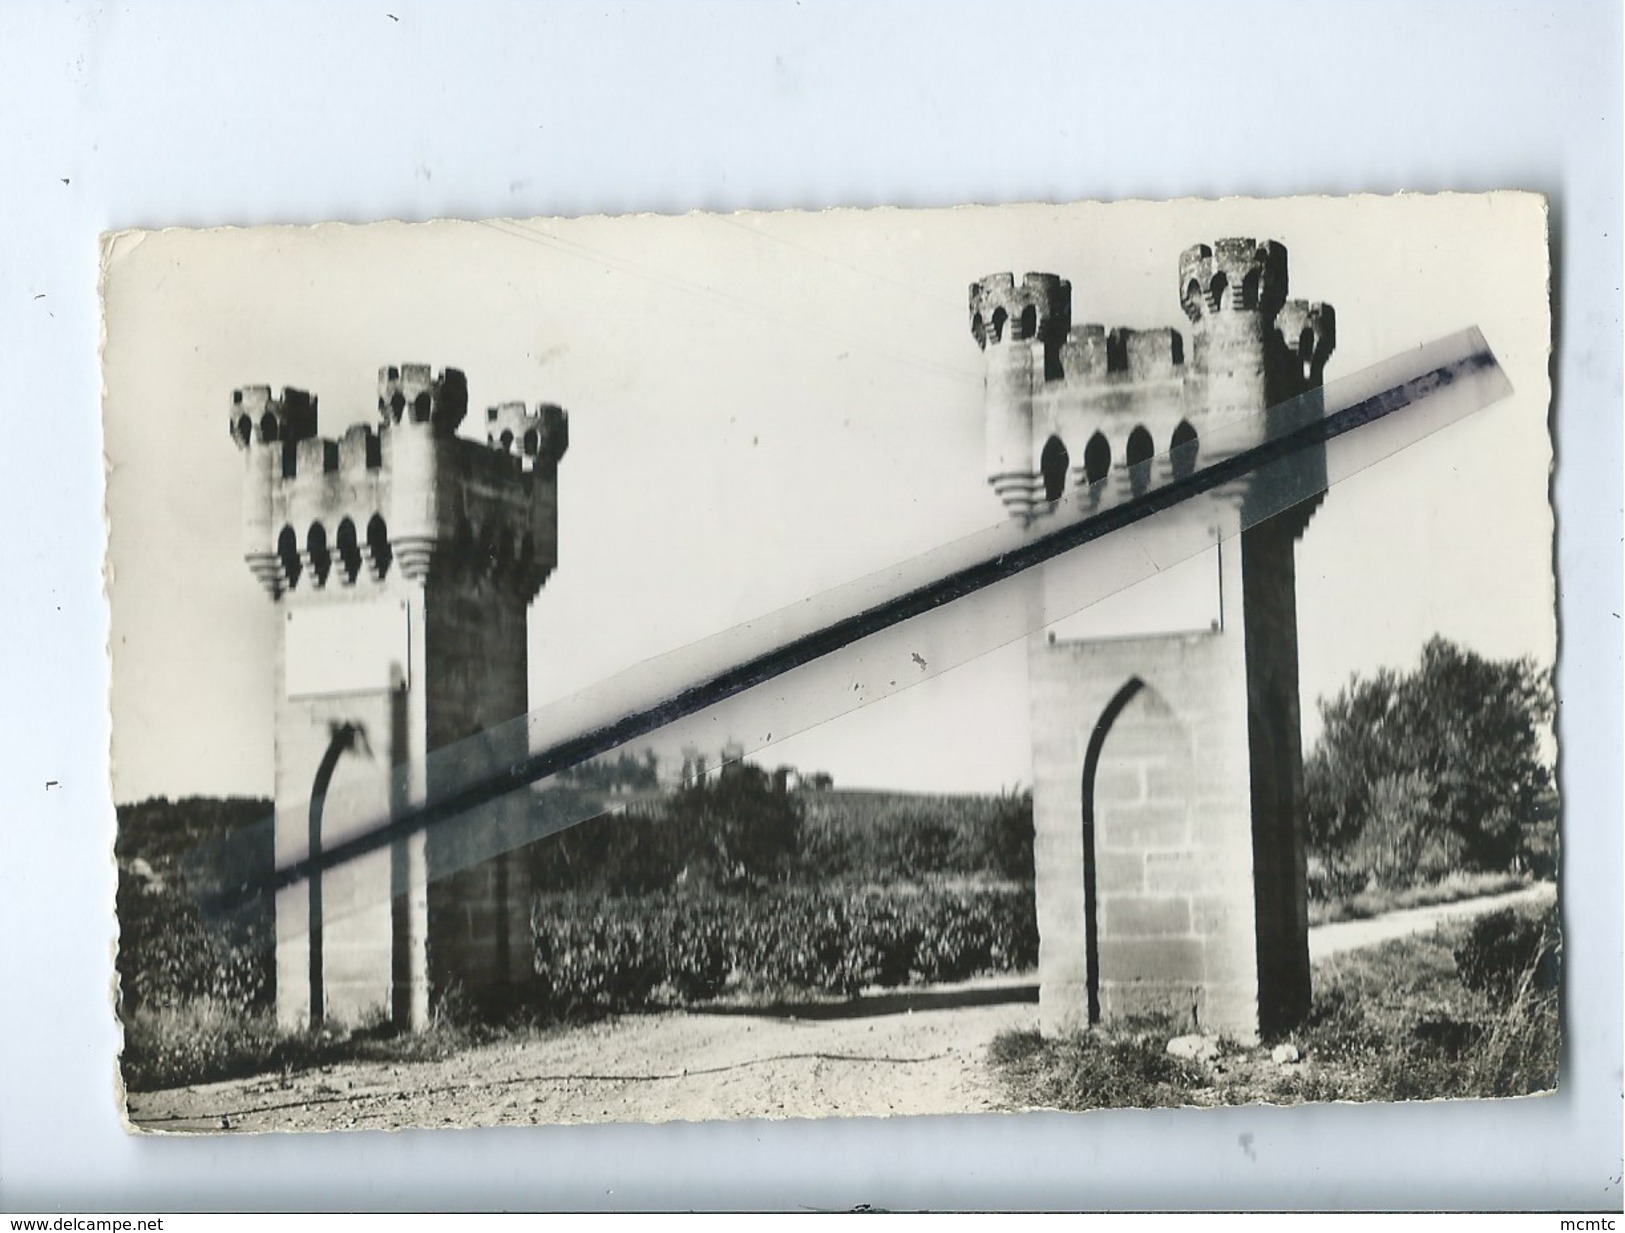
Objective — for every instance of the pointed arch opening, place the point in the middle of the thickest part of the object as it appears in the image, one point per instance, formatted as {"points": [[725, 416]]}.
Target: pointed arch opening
{"points": [[1139, 790], [1182, 450], [287, 550], [349, 552], [999, 319], [1141, 450], [321, 560], [1091, 892], [378, 549], [1053, 463], [1097, 458], [1249, 289]]}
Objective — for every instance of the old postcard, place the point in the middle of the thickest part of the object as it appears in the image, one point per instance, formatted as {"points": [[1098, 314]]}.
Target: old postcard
{"points": [[855, 663]]}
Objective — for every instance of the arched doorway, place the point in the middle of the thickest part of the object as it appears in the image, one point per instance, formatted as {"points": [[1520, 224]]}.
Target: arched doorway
{"points": [[1053, 464], [1137, 789]]}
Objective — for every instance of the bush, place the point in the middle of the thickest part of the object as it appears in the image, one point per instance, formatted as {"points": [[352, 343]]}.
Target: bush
{"points": [[198, 1041], [1507, 953], [876, 836], [621, 952], [171, 854], [168, 956]]}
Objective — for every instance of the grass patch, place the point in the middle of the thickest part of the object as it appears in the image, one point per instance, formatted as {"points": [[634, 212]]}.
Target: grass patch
{"points": [[1378, 901], [1393, 1022], [1099, 1069], [206, 1040]]}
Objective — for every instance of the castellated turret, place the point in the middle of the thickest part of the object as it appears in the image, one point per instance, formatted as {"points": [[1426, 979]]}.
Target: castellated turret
{"points": [[406, 494], [403, 559], [1072, 406], [1168, 803]]}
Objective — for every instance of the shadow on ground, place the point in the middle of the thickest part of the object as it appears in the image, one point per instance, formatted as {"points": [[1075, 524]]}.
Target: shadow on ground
{"points": [[872, 1005]]}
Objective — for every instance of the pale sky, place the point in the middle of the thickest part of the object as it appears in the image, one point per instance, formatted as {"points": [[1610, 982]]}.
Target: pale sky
{"points": [[762, 406]]}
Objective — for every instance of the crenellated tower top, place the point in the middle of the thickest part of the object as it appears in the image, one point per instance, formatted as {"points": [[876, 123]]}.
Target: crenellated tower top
{"points": [[537, 438], [1232, 276], [409, 393], [1040, 309], [1073, 405], [406, 498]]}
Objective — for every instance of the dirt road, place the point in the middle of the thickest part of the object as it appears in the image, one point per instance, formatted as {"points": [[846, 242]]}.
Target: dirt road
{"points": [[923, 1053], [1354, 934], [916, 1052]]}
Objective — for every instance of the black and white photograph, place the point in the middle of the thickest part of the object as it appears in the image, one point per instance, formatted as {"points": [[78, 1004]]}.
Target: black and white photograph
{"points": [[1250, 800]]}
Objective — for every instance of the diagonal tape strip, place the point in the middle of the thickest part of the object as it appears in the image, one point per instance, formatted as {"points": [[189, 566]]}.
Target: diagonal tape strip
{"points": [[768, 679]]}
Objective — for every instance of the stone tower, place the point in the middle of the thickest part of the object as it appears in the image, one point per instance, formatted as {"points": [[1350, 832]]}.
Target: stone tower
{"points": [[403, 559], [1167, 767]]}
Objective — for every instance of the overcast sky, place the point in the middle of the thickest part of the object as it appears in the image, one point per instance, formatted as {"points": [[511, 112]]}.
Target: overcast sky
{"points": [[762, 406]]}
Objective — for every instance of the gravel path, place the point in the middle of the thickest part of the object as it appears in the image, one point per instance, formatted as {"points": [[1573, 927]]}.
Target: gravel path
{"points": [[918, 1052], [1354, 934]]}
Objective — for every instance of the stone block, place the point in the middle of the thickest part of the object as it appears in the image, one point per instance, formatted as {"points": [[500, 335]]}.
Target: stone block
{"points": [[1178, 1001], [1063, 1007], [1173, 872], [1177, 960], [1231, 957], [1118, 784], [1169, 781], [1143, 825], [1230, 1010], [1131, 916], [1119, 872]]}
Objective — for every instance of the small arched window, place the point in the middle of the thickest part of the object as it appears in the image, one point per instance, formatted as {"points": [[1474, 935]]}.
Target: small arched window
{"points": [[378, 549], [287, 550], [999, 318], [1097, 458], [507, 440], [1053, 463], [1029, 322], [1141, 449], [245, 429], [1249, 290], [321, 561], [533, 442], [1182, 450], [349, 551], [978, 330], [268, 427], [1217, 289]]}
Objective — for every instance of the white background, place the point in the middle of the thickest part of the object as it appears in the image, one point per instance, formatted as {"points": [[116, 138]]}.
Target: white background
{"points": [[118, 117]]}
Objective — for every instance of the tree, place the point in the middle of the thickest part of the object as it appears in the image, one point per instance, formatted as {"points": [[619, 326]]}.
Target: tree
{"points": [[735, 828], [730, 829], [1436, 769]]}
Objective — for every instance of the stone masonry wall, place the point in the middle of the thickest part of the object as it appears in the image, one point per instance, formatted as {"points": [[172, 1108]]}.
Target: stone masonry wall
{"points": [[1171, 817]]}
